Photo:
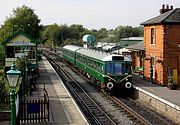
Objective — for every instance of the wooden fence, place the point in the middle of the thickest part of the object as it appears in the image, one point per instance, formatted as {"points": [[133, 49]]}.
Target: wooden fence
{"points": [[34, 110]]}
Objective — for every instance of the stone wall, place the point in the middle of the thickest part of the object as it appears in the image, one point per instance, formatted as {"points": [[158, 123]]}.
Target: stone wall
{"points": [[161, 106]]}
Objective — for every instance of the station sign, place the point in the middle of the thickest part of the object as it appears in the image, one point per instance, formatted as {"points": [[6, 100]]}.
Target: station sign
{"points": [[21, 43]]}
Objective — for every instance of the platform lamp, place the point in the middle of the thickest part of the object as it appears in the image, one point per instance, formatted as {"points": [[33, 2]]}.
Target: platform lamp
{"points": [[13, 78]]}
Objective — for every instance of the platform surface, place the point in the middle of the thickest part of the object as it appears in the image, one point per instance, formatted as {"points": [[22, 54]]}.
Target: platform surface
{"points": [[164, 93], [63, 110]]}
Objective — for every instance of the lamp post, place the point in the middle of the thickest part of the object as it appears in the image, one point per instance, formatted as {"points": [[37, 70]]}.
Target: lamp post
{"points": [[13, 77]]}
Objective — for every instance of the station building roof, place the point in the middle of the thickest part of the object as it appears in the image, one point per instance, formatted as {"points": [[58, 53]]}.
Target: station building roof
{"points": [[133, 39], [172, 16], [137, 46]]}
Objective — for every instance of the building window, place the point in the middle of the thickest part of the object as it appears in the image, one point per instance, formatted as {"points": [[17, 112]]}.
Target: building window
{"points": [[152, 36], [10, 51]]}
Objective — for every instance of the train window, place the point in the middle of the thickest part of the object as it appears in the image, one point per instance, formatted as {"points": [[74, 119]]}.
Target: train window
{"points": [[117, 68], [126, 68], [98, 66], [102, 68], [95, 65], [109, 68]]}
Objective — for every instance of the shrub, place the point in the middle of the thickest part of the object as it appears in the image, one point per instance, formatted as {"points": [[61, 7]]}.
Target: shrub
{"points": [[171, 83]]}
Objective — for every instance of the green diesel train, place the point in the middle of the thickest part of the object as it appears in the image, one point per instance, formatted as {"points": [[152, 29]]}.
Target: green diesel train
{"points": [[111, 72]]}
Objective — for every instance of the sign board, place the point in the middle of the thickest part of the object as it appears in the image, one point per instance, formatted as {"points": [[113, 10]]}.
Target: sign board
{"points": [[21, 43], [33, 107], [19, 55]]}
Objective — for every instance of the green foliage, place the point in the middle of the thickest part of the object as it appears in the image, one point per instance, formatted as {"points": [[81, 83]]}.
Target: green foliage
{"points": [[76, 31], [128, 31], [63, 34], [23, 19], [51, 33], [73, 42], [171, 83], [20, 63], [4, 87], [102, 33], [170, 79], [2, 55], [59, 35]]}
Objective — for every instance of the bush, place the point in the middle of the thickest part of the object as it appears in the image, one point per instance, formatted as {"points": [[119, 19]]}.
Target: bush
{"points": [[171, 83]]}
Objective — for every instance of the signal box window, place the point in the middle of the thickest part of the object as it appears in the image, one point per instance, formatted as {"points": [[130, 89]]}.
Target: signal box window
{"points": [[152, 36], [10, 51]]}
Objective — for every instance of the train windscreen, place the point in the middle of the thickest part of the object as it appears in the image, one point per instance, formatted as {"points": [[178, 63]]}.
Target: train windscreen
{"points": [[118, 68]]}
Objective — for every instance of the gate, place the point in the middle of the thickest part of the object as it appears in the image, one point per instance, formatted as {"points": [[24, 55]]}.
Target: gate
{"points": [[34, 110]]}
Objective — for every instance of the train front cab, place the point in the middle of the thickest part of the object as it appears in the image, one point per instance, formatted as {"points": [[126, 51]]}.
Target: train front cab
{"points": [[118, 76]]}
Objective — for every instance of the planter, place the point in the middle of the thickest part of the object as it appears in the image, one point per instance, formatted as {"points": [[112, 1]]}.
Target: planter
{"points": [[172, 86]]}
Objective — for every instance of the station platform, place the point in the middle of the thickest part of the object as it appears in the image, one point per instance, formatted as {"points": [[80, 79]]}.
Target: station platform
{"points": [[163, 93], [63, 109], [162, 99]]}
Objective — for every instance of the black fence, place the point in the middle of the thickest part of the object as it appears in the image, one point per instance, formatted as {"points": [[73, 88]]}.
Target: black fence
{"points": [[34, 110]]}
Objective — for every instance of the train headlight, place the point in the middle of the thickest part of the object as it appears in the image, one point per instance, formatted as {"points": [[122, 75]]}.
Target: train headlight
{"points": [[128, 85], [109, 85]]}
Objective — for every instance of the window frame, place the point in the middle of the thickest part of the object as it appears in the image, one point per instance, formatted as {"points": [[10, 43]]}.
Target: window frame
{"points": [[152, 36]]}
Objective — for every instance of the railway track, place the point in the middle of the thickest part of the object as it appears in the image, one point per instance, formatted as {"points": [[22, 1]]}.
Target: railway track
{"points": [[135, 112], [94, 114]]}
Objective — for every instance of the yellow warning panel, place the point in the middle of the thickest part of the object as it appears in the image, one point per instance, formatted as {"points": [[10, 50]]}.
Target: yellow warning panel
{"points": [[175, 75]]}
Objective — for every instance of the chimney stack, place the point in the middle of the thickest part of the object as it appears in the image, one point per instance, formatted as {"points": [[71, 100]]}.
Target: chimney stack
{"points": [[164, 10], [167, 7], [171, 7]]}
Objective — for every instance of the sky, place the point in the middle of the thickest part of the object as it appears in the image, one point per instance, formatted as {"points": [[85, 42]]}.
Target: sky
{"points": [[92, 14]]}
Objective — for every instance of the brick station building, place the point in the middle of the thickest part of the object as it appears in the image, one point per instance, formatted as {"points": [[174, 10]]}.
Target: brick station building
{"points": [[162, 46]]}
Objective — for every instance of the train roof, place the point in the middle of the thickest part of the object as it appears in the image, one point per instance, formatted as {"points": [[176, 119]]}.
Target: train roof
{"points": [[72, 47], [96, 54], [101, 55]]}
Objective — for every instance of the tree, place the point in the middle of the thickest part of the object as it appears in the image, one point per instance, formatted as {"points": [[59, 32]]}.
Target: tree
{"points": [[138, 31], [76, 31], [50, 34], [23, 19], [102, 33], [62, 34], [128, 31]]}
